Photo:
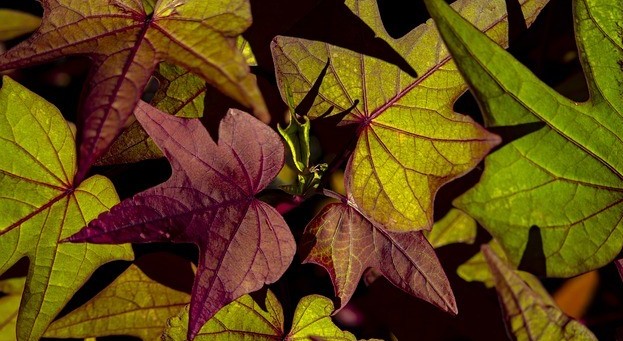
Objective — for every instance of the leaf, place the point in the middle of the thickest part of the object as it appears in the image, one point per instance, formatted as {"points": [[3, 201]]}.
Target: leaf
{"points": [[564, 180], [244, 319], [454, 227], [9, 306], [16, 24], [576, 294], [41, 206], [530, 313], [133, 304], [125, 43], [209, 201], [410, 141], [346, 243], [476, 268], [180, 93]]}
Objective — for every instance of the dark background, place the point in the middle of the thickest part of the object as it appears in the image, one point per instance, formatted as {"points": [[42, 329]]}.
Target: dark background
{"points": [[547, 48]]}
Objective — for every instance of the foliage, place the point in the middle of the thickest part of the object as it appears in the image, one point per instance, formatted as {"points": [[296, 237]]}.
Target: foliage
{"points": [[356, 106]]}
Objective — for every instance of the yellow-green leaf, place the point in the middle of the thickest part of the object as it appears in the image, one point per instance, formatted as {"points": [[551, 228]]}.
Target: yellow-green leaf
{"points": [[476, 268], [15, 23], [39, 206], [455, 227], [9, 306], [244, 319], [133, 304], [411, 142], [530, 313]]}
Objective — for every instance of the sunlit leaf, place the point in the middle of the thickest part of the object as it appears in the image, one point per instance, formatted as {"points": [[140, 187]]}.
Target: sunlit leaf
{"points": [[244, 319], [125, 41], [209, 201], [39, 206], [133, 304], [410, 140], [559, 189], [476, 268], [529, 311]]}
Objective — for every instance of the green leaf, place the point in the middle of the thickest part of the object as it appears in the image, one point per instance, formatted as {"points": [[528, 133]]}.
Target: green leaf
{"points": [[133, 304], [180, 93], [410, 141], [530, 313], [41, 206], [476, 268], [565, 180], [454, 227], [9, 306], [244, 319], [16, 24]]}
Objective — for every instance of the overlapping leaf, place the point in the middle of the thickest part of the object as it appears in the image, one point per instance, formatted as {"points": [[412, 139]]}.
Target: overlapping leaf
{"points": [[126, 40], [454, 227], [244, 319], [39, 206], [16, 23], [133, 304], [410, 142], [346, 243], [209, 201], [564, 180], [530, 313], [180, 93]]}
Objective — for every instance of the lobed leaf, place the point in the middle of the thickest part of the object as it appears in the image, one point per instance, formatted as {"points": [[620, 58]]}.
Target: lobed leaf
{"points": [[126, 40], [345, 242], [133, 304], [410, 141], [40, 206], [530, 313], [564, 182], [209, 201], [244, 319]]}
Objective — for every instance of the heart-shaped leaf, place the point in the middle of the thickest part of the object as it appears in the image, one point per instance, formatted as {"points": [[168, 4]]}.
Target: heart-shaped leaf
{"points": [[126, 40], [555, 195], [410, 141], [209, 201], [40, 206]]}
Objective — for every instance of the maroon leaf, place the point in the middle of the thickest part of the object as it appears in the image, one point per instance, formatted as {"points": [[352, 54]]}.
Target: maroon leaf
{"points": [[125, 40], [209, 201], [346, 243]]}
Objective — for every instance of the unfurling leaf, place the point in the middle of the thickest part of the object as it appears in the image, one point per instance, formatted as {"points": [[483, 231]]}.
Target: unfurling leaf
{"points": [[555, 194], [410, 141], [244, 319], [16, 23], [529, 311], [9, 306], [345, 243], [454, 227], [125, 41], [209, 201], [133, 304], [39, 206]]}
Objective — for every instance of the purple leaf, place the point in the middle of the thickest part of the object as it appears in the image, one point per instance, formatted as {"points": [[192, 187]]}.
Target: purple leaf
{"points": [[209, 201], [346, 243]]}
